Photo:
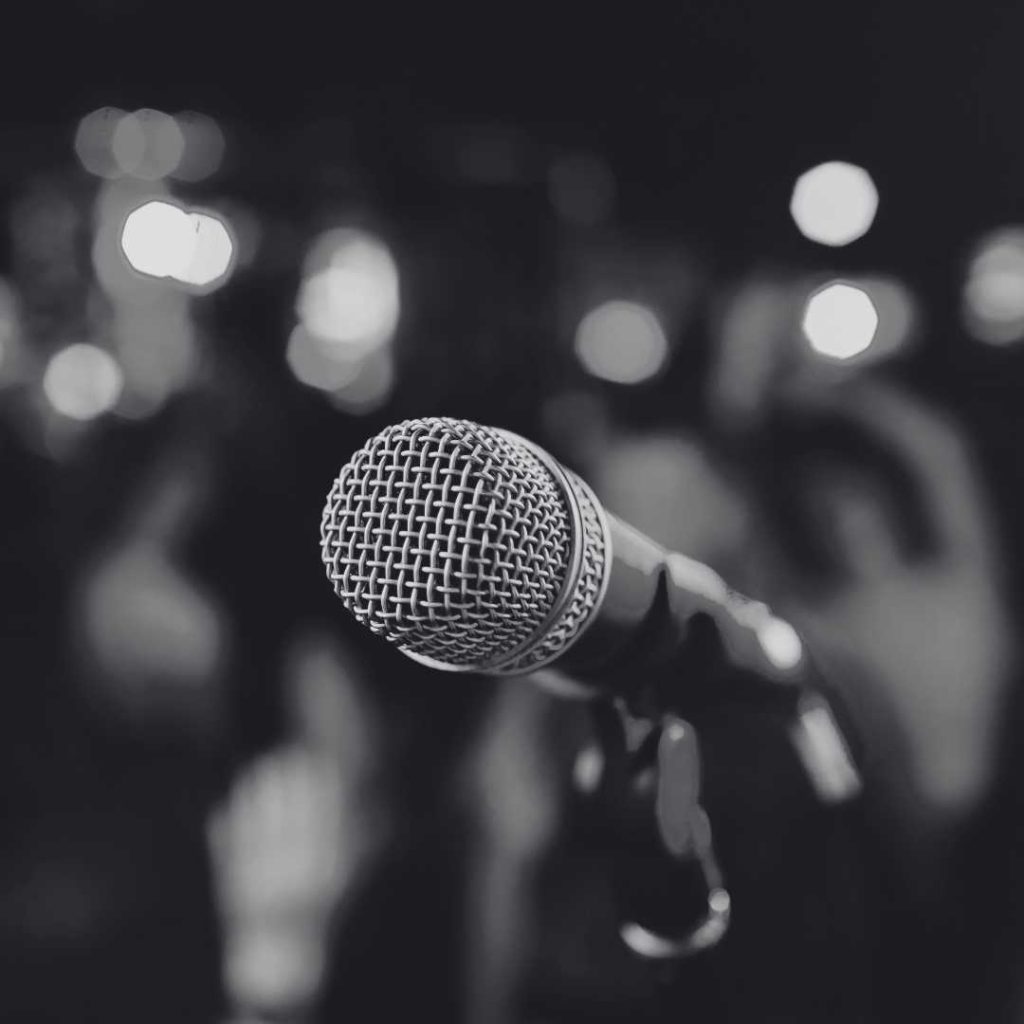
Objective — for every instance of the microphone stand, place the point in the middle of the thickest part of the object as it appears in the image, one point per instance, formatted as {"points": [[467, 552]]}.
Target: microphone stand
{"points": [[673, 899]]}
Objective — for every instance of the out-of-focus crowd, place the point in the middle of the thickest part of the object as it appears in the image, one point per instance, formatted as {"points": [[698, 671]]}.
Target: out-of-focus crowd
{"points": [[223, 801]]}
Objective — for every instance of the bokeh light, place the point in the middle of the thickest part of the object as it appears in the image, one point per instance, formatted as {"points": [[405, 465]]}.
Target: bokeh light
{"points": [[147, 144], [204, 146], [94, 141], [993, 297], [162, 240], [159, 239], [82, 382], [622, 342], [350, 293], [319, 363], [348, 308], [213, 254], [834, 203], [840, 321]]}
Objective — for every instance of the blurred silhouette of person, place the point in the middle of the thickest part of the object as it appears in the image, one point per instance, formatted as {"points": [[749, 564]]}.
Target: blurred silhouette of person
{"points": [[881, 548]]}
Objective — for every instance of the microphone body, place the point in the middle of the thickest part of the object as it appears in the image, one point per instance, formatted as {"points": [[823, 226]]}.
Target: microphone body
{"points": [[474, 550]]}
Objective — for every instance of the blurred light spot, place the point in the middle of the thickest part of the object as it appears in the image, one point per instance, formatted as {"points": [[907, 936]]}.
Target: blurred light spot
{"points": [[319, 363], [352, 297], [203, 148], [581, 188], [840, 321], [82, 382], [994, 290], [371, 386], [834, 203], [621, 342], [158, 239], [147, 144], [213, 254], [285, 847], [164, 145], [780, 643], [162, 240], [94, 141]]}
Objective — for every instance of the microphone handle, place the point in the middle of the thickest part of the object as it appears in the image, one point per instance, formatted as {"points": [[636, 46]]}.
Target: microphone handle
{"points": [[655, 602], [670, 637]]}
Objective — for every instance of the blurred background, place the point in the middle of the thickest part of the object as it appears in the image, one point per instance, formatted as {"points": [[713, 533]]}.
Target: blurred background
{"points": [[757, 273]]}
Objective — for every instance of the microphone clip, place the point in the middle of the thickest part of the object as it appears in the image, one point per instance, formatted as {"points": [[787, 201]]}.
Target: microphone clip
{"points": [[672, 899]]}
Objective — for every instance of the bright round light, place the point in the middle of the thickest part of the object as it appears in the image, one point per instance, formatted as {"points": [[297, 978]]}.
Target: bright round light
{"points": [[214, 251], [159, 239], [621, 342], [353, 299], [994, 291], [82, 382], [834, 203], [840, 321]]}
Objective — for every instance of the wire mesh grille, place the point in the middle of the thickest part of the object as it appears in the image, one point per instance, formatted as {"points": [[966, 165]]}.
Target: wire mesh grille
{"points": [[448, 538], [585, 595]]}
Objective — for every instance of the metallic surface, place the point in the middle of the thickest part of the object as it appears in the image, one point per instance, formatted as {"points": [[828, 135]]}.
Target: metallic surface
{"points": [[467, 546]]}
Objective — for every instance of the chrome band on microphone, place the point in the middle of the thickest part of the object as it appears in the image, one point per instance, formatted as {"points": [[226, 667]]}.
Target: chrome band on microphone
{"points": [[584, 585]]}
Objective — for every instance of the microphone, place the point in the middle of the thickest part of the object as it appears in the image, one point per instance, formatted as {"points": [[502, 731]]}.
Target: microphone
{"points": [[474, 550]]}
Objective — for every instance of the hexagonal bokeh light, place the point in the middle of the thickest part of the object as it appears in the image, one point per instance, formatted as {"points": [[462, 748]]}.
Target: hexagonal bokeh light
{"points": [[834, 203], [840, 321]]}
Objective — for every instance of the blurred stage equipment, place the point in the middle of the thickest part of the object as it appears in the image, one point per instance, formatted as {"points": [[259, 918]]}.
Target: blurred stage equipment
{"points": [[474, 550]]}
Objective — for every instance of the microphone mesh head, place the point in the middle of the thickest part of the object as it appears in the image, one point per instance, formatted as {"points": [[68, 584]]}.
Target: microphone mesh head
{"points": [[451, 539]]}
